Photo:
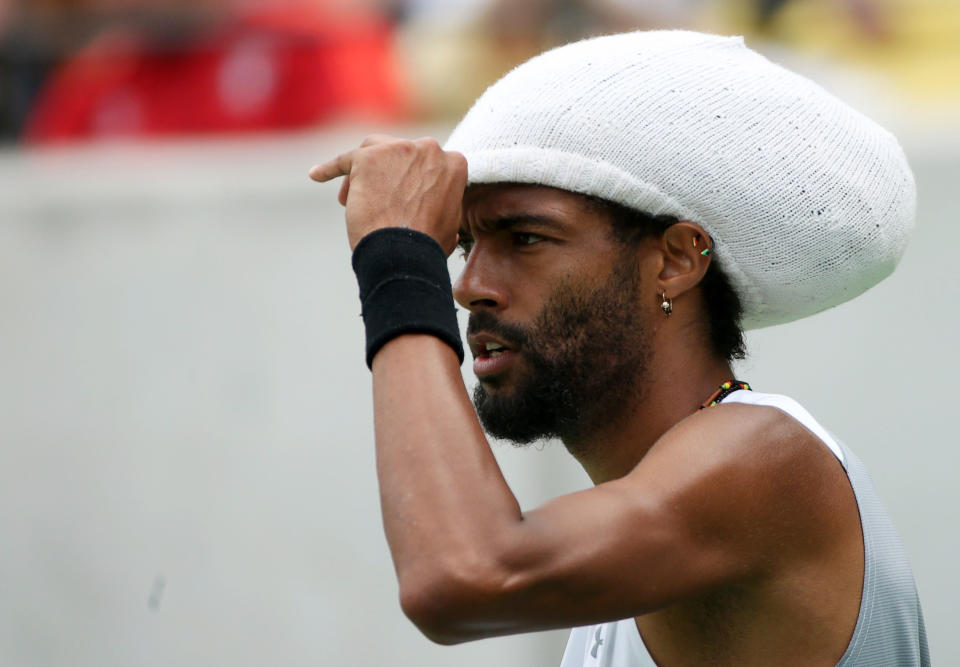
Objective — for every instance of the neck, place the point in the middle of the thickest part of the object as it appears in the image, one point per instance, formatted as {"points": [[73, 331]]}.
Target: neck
{"points": [[676, 382]]}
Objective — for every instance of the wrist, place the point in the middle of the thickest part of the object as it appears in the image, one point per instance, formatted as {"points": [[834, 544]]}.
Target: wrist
{"points": [[404, 288]]}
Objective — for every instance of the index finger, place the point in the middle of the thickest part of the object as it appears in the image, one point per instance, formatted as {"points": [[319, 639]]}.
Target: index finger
{"points": [[338, 166]]}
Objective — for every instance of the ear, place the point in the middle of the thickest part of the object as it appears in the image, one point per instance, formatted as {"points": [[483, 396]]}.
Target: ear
{"points": [[686, 250]]}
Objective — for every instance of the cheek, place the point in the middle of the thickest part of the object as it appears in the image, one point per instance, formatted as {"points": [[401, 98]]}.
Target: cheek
{"points": [[564, 321], [575, 321]]}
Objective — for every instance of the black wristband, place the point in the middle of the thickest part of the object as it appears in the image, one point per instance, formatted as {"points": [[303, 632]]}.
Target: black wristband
{"points": [[404, 288]]}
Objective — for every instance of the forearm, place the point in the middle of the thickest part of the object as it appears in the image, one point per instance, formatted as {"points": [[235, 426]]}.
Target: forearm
{"points": [[445, 502], [453, 526]]}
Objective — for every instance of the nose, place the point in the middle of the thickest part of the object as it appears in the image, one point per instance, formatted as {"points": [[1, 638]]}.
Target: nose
{"points": [[481, 283]]}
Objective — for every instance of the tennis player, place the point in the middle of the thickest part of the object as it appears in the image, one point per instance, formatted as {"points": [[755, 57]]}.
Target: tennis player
{"points": [[627, 206]]}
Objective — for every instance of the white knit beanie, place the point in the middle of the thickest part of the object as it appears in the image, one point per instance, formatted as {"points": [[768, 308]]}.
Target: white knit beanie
{"points": [[808, 202]]}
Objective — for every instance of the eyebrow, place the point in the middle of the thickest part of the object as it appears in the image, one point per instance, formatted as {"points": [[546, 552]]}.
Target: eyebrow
{"points": [[508, 221]]}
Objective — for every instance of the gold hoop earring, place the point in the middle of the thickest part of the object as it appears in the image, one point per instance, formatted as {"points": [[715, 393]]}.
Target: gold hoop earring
{"points": [[666, 305]]}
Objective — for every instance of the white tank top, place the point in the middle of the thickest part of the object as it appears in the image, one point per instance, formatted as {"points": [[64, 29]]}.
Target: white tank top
{"points": [[890, 628]]}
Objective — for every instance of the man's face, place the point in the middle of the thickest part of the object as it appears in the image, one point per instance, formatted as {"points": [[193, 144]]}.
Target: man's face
{"points": [[554, 326]]}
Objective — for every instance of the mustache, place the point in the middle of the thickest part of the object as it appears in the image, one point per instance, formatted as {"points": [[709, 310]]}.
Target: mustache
{"points": [[486, 322]]}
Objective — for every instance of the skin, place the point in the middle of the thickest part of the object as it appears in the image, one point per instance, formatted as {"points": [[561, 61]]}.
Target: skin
{"points": [[731, 534]]}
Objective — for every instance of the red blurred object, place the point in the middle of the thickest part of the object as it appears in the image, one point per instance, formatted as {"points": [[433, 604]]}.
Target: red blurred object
{"points": [[277, 67]]}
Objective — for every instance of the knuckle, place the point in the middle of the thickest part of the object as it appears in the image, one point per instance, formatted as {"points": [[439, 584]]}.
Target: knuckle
{"points": [[458, 162], [429, 143], [401, 147], [404, 146], [373, 139]]}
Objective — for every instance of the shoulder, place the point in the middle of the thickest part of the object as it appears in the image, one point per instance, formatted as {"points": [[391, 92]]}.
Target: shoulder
{"points": [[751, 474], [754, 439]]}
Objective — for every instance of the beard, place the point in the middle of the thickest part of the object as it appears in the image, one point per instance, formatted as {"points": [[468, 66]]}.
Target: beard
{"points": [[583, 358]]}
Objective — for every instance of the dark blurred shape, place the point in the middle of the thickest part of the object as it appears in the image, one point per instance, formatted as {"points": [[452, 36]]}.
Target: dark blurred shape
{"points": [[767, 9], [34, 36], [866, 15], [183, 70], [156, 592], [23, 69], [554, 22]]}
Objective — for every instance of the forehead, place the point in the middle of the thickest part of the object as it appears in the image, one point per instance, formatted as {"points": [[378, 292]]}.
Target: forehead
{"points": [[495, 201]]}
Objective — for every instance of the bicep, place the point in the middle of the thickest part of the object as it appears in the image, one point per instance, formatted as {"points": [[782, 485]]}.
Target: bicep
{"points": [[699, 512], [620, 549]]}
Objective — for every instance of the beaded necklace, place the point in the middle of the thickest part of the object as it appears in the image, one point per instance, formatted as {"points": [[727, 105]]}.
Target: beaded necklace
{"points": [[723, 391]]}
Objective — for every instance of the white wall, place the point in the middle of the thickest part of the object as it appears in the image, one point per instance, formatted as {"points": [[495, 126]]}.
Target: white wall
{"points": [[186, 466]]}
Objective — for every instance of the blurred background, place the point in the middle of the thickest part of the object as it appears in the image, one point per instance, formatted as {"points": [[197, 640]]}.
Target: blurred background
{"points": [[186, 464]]}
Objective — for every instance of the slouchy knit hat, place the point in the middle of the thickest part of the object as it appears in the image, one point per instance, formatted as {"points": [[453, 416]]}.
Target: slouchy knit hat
{"points": [[808, 202]]}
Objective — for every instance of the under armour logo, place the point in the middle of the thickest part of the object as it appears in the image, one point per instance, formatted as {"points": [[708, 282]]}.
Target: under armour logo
{"points": [[596, 642]]}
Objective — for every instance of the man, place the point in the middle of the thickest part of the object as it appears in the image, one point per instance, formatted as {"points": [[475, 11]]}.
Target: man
{"points": [[624, 203]]}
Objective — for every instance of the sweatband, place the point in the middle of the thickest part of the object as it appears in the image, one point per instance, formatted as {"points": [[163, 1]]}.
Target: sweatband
{"points": [[404, 288]]}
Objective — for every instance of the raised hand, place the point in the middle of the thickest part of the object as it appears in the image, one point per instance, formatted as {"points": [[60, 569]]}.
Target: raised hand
{"points": [[393, 182]]}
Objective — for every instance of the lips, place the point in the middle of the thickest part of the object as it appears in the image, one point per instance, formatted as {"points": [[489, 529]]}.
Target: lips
{"points": [[490, 354]]}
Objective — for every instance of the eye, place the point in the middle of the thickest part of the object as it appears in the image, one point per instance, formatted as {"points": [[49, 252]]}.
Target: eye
{"points": [[526, 238], [465, 244]]}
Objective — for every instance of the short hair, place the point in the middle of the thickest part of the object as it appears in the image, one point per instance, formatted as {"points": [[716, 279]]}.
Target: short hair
{"points": [[723, 307]]}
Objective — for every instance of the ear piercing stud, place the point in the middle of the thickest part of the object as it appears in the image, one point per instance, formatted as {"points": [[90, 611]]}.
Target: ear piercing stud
{"points": [[696, 243], [666, 304]]}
